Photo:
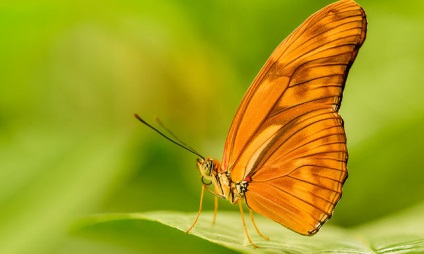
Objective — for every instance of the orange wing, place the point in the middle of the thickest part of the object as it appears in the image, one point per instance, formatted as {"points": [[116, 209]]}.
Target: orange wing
{"points": [[287, 139]]}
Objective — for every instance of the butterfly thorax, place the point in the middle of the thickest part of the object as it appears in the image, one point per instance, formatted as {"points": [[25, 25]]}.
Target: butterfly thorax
{"points": [[212, 171]]}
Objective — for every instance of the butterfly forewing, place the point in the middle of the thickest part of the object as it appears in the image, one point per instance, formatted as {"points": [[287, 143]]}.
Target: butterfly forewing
{"points": [[287, 137]]}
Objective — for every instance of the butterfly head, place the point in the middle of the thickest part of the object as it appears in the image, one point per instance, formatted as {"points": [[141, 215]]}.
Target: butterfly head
{"points": [[208, 167]]}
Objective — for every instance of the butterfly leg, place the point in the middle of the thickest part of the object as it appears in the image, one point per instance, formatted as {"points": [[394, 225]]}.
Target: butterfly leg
{"points": [[244, 224], [215, 209], [200, 209], [256, 227]]}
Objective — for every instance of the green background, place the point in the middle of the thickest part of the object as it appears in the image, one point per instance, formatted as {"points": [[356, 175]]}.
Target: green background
{"points": [[73, 73]]}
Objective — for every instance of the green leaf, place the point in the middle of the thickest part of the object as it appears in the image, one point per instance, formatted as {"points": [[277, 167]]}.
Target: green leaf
{"points": [[401, 233]]}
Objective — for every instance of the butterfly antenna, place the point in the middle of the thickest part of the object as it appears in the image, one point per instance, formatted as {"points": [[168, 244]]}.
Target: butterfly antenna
{"points": [[178, 142], [173, 135]]}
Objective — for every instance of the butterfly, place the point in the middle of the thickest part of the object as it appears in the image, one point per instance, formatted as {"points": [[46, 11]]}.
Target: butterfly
{"points": [[285, 154]]}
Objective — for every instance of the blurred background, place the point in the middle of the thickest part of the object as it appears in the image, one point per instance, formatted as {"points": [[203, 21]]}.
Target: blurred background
{"points": [[73, 73]]}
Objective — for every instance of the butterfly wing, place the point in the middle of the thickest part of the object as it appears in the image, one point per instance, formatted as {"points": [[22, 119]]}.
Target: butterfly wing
{"points": [[287, 138]]}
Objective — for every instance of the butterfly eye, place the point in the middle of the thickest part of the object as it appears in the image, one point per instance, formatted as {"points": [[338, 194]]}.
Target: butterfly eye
{"points": [[205, 166]]}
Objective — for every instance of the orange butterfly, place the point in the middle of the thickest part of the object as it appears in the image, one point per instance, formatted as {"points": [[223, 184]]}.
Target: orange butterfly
{"points": [[286, 153]]}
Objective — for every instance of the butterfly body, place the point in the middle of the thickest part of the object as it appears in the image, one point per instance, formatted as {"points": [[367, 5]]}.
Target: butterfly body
{"points": [[224, 187]]}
